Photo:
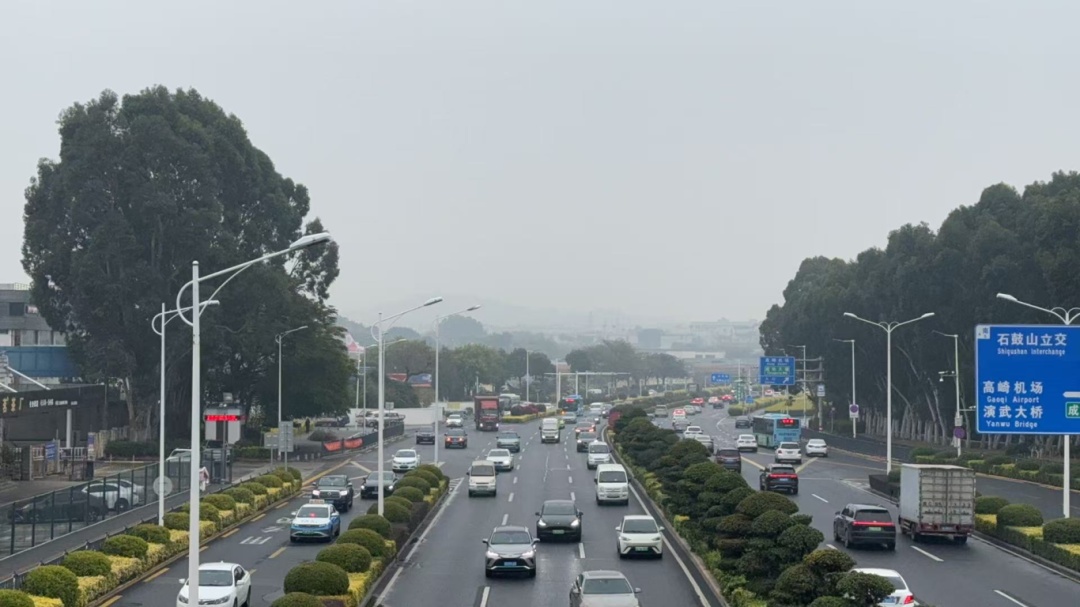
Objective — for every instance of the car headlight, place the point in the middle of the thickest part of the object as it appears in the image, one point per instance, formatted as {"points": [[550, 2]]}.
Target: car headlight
{"points": [[541, 523], [529, 554], [575, 523], [182, 598], [223, 599], [390, 488], [491, 555], [315, 493]]}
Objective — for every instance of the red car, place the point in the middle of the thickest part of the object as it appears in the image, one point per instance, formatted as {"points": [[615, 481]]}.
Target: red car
{"points": [[698, 401]]}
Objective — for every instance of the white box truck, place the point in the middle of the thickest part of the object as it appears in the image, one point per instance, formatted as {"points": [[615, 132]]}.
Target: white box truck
{"points": [[937, 500]]}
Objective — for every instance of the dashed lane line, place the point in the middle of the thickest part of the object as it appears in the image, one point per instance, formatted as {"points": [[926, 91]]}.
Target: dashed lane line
{"points": [[927, 554], [1005, 595]]}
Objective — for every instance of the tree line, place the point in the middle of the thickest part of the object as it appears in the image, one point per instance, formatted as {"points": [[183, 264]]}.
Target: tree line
{"points": [[1021, 243]]}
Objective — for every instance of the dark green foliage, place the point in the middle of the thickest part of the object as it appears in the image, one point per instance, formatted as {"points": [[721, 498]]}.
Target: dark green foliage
{"points": [[374, 522], [1019, 515], [370, 540], [725, 481], [318, 578], [1052, 468], [353, 558], [296, 474], [797, 585], [735, 526], [802, 519], [254, 488], [240, 495], [798, 541], [396, 513], [284, 475], [220, 501], [1062, 531], [1030, 465], [989, 504], [126, 449], [998, 460], [731, 500], [830, 601], [125, 545], [415, 482], [88, 562], [866, 589], [270, 481], [433, 470], [825, 561], [770, 524], [177, 521], [410, 493], [208, 512], [15, 598], [297, 599], [764, 501], [424, 475], [152, 533], [55, 582]]}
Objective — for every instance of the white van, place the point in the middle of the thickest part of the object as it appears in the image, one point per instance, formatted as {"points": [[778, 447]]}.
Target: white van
{"points": [[549, 430], [481, 478], [612, 484], [660, 411]]}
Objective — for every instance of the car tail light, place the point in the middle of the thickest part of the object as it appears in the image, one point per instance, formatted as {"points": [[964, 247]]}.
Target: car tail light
{"points": [[870, 524], [909, 600], [783, 476]]}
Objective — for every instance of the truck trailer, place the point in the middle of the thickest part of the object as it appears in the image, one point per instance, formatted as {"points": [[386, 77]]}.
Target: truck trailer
{"points": [[486, 412], [937, 500]]}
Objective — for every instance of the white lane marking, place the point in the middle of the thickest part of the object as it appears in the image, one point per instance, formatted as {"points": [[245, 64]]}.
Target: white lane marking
{"points": [[927, 554], [830, 546], [1010, 598], [420, 540], [581, 550], [505, 518], [573, 497], [515, 480], [511, 497], [484, 596], [671, 551], [571, 480], [820, 498], [567, 466]]}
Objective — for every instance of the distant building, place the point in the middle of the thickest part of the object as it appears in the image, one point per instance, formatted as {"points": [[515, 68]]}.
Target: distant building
{"points": [[650, 339], [28, 344]]}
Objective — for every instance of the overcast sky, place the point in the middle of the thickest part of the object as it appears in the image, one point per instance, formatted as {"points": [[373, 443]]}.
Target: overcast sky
{"points": [[671, 159]]}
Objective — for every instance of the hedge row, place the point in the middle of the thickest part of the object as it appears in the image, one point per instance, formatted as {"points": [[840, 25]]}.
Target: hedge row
{"points": [[1022, 525], [528, 417], [344, 573], [86, 575]]}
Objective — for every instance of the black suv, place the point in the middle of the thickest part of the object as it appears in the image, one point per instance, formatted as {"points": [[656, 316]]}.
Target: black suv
{"points": [[336, 488], [370, 488], [743, 422], [584, 440], [425, 436], [729, 458], [779, 477], [864, 524]]}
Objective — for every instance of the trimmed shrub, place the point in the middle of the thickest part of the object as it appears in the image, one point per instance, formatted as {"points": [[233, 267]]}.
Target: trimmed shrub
{"points": [[735, 526], [396, 513], [125, 449], [764, 501], [55, 582], [412, 481], [802, 519], [254, 488], [425, 476], [923, 452], [240, 495], [770, 524], [87, 562], [219, 501], [284, 475], [15, 598], [374, 522], [998, 460], [353, 558], [433, 469], [125, 545], [797, 585], [989, 504], [410, 493], [824, 561], [397, 499], [269, 481], [297, 599], [208, 512], [370, 540], [318, 578], [150, 533], [176, 520], [1019, 515], [296, 474], [1062, 531], [1030, 465], [894, 476], [1052, 468]]}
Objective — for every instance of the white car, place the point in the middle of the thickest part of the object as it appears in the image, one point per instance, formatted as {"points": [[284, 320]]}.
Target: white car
{"points": [[599, 453], [746, 442], [219, 584], [691, 431], [902, 595], [816, 446], [502, 459], [405, 460], [788, 452], [120, 496], [639, 535], [455, 421]]}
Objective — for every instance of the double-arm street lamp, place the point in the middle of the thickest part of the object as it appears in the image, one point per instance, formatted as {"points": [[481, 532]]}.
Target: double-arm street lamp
{"points": [[377, 333], [1066, 317], [279, 338], [958, 420], [438, 403], [854, 422], [196, 387], [805, 393], [888, 327]]}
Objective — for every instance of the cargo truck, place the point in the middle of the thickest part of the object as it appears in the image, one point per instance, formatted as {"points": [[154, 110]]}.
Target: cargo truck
{"points": [[486, 412], [937, 500]]}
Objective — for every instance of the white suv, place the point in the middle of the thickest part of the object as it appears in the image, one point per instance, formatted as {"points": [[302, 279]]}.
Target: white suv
{"points": [[639, 535], [599, 453], [788, 452], [746, 442]]}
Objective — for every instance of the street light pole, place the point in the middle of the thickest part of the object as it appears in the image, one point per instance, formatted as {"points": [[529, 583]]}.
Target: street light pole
{"points": [[382, 385], [854, 422], [164, 317], [194, 539], [1067, 317], [279, 338], [888, 327], [438, 346], [958, 420], [805, 393]]}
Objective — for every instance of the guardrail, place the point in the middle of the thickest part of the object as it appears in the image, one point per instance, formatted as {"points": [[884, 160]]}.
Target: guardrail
{"points": [[362, 441]]}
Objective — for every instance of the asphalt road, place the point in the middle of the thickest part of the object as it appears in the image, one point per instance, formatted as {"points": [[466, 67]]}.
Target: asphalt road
{"points": [[447, 565], [939, 573]]}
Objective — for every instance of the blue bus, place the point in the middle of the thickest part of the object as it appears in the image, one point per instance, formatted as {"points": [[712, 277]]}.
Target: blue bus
{"points": [[771, 429], [573, 402]]}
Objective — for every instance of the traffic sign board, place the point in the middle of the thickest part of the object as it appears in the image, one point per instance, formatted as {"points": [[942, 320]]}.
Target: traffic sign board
{"points": [[719, 378], [777, 371], [1027, 380], [821, 390]]}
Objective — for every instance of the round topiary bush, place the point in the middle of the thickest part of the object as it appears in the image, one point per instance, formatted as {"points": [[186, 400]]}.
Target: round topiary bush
{"points": [[297, 599], [55, 582], [989, 504], [15, 598], [802, 519], [1019, 515], [240, 495], [353, 558], [284, 475], [1029, 465], [220, 501], [87, 562], [764, 501], [208, 512], [254, 488], [370, 540], [397, 499], [125, 545], [429, 478], [823, 561], [374, 522], [152, 533], [396, 513], [1062, 531], [414, 482], [433, 469], [770, 524], [734, 526], [318, 578], [410, 493], [269, 481], [296, 474], [176, 520]]}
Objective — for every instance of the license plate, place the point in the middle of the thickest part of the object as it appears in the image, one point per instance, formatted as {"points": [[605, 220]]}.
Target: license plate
{"points": [[559, 531], [642, 549], [510, 563], [875, 528]]}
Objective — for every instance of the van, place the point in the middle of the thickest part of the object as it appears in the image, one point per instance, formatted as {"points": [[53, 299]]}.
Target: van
{"points": [[660, 411], [549, 430], [612, 484], [481, 478]]}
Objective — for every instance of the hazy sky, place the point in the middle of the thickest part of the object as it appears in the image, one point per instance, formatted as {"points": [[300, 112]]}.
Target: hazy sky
{"points": [[667, 159]]}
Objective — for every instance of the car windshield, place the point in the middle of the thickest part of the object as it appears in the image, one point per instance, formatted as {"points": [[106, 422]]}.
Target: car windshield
{"points": [[746, 437], [312, 512], [607, 586], [508, 435], [455, 432], [217, 577], [332, 481], [585, 436], [728, 453], [559, 508], [896, 581], [782, 470], [599, 448], [510, 537], [693, 429], [498, 453], [639, 525], [483, 471], [789, 445], [406, 454], [873, 516], [612, 476], [817, 442]]}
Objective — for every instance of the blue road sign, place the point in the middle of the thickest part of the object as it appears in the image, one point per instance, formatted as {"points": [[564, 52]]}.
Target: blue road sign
{"points": [[719, 378], [777, 371], [50, 451], [1027, 378]]}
